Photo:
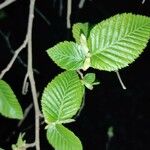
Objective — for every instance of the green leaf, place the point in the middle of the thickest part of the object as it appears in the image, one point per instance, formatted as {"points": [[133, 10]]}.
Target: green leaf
{"points": [[118, 41], [62, 97], [67, 55], [21, 144], [89, 78], [1, 149], [78, 29], [9, 105], [63, 139]]}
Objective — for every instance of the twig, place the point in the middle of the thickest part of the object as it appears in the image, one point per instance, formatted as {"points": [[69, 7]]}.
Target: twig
{"points": [[31, 76], [81, 3], [26, 112], [143, 1], [25, 85], [6, 3], [120, 80], [23, 45], [29, 145], [80, 73], [69, 8], [42, 16], [60, 7], [28, 41], [6, 38]]}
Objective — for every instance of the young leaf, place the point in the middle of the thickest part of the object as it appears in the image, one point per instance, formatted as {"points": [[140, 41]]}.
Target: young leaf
{"points": [[63, 139], [21, 144], [89, 78], [9, 105], [67, 55], [62, 97], [78, 29], [118, 41]]}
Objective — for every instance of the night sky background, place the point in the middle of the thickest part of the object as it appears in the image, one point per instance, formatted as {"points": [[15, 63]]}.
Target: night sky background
{"points": [[128, 111]]}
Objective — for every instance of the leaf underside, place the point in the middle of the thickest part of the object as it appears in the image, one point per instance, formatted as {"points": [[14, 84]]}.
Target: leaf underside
{"points": [[118, 41], [62, 97], [67, 55], [63, 139], [9, 105]]}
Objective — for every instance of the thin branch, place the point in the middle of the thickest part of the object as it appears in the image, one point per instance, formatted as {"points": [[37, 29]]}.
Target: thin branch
{"points": [[26, 112], [6, 38], [120, 80], [81, 3], [60, 7], [69, 8], [29, 145], [22, 46], [28, 42], [25, 85], [143, 1], [6, 3], [31, 76], [80, 73], [42, 16]]}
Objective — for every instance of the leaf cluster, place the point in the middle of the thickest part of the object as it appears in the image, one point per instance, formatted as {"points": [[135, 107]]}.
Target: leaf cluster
{"points": [[110, 45]]}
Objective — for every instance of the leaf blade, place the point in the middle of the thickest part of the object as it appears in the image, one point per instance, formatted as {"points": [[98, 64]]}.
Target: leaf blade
{"points": [[62, 97], [118, 41], [63, 139], [9, 105], [67, 55]]}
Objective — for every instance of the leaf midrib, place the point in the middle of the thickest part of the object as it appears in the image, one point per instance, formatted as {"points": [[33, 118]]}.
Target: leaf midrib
{"points": [[98, 51], [63, 137], [62, 101]]}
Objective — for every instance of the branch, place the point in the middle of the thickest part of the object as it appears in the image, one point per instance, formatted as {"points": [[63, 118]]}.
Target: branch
{"points": [[120, 80], [28, 42], [22, 46], [26, 112], [42, 16], [143, 1], [31, 76], [69, 7], [6, 3], [6, 38], [81, 3], [30, 145], [60, 7]]}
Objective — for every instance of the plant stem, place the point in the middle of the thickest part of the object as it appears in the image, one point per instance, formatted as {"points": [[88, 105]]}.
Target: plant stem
{"points": [[120, 80], [6, 3], [69, 7], [31, 76], [23, 45], [81, 3]]}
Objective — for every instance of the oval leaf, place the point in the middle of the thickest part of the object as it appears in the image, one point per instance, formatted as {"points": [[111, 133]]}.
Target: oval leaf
{"points": [[67, 55], [9, 105], [118, 41], [62, 97], [63, 139]]}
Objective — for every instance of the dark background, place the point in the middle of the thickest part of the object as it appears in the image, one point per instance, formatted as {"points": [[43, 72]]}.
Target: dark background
{"points": [[128, 111]]}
